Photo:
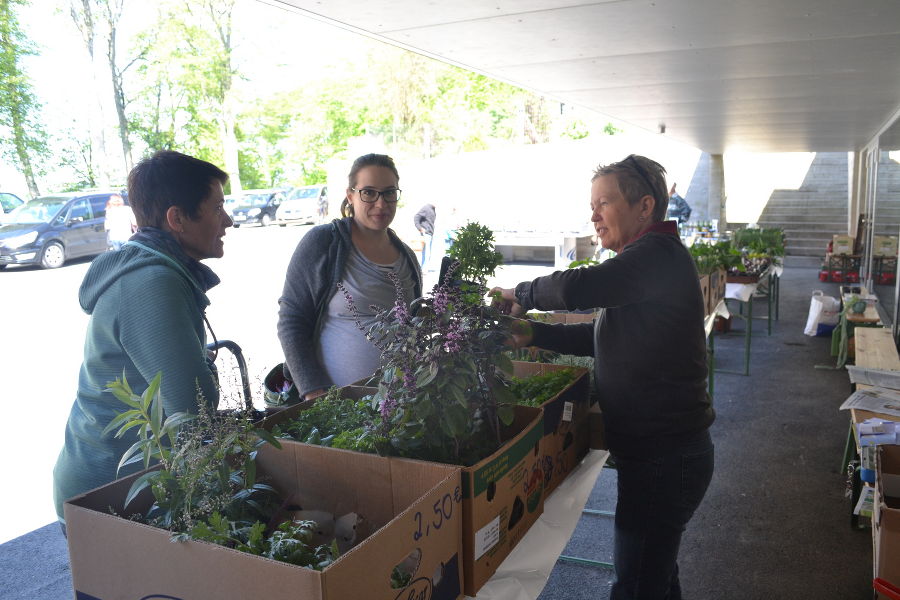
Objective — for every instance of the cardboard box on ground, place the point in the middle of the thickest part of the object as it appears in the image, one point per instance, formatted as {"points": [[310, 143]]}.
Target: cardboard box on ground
{"points": [[842, 244], [502, 495], [884, 245], [886, 517], [412, 508]]}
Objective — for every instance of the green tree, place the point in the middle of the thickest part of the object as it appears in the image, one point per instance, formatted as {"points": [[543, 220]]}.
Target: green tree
{"points": [[19, 108], [213, 65], [172, 109]]}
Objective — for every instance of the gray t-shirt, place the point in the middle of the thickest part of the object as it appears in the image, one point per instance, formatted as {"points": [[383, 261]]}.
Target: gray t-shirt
{"points": [[344, 350]]}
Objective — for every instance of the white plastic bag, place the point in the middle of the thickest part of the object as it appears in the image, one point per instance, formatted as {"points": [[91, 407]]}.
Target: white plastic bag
{"points": [[824, 314]]}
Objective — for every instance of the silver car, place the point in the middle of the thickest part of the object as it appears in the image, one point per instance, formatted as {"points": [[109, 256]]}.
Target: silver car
{"points": [[305, 204]]}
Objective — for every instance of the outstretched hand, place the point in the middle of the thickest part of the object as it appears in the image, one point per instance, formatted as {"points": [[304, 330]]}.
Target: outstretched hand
{"points": [[521, 333], [505, 300]]}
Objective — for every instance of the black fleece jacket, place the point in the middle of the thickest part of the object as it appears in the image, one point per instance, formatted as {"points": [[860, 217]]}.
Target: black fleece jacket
{"points": [[648, 341]]}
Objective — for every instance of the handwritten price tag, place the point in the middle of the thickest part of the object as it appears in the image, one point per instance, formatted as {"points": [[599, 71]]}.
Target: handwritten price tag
{"points": [[442, 512]]}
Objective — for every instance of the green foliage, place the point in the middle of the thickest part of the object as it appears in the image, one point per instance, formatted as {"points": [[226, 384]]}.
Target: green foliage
{"points": [[583, 262], [439, 397], [537, 389], [759, 242], [24, 141], [332, 420], [400, 579], [473, 248], [709, 257], [206, 486]]}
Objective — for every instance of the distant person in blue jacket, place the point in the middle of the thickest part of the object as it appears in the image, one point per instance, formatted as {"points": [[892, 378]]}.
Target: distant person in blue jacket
{"points": [[147, 303], [679, 209]]}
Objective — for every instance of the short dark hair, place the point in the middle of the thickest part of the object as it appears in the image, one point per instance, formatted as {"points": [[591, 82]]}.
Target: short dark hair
{"points": [[170, 178], [638, 176]]}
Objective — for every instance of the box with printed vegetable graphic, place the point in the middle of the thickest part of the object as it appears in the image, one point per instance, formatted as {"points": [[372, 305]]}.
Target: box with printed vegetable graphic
{"points": [[563, 393]]}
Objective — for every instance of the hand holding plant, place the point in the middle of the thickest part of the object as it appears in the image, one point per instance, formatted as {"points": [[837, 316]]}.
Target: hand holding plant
{"points": [[504, 300]]}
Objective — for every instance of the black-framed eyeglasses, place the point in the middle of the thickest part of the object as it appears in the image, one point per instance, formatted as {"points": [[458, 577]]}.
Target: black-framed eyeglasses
{"points": [[370, 196]]}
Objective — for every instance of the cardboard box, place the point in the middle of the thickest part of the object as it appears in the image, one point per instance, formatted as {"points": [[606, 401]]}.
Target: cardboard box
{"points": [[717, 281], [408, 505], [705, 293], [886, 518], [884, 245], [842, 244], [566, 428], [502, 495]]}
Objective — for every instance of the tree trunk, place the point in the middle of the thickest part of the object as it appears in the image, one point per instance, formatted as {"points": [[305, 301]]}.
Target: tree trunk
{"points": [[229, 142], [85, 24], [18, 127], [118, 91], [221, 18]]}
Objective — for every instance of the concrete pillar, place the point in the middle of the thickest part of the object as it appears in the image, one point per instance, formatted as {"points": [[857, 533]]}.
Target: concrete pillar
{"points": [[855, 167], [716, 203]]}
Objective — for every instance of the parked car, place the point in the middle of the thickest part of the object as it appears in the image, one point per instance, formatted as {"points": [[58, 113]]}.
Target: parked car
{"points": [[50, 230], [305, 204], [8, 202], [231, 203], [258, 206]]}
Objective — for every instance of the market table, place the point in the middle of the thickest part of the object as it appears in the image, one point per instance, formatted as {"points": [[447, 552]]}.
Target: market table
{"points": [[767, 286], [875, 349], [850, 321]]}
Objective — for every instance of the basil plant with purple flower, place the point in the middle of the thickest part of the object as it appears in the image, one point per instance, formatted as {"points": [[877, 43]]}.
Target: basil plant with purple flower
{"points": [[439, 396]]}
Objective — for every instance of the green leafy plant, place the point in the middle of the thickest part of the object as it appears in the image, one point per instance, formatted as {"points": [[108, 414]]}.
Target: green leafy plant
{"points": [[473, 249], [709, 257], [439, 397], [537, 389], [206, 485], [760, 242], [333, 421], [583, 262]]}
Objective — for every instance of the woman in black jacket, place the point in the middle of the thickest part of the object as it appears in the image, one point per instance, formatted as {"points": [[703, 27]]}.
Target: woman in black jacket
{"points": [[649, 349]]}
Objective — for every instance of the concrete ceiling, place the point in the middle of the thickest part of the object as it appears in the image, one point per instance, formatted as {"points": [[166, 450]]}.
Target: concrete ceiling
{"points": [[753, 75]]}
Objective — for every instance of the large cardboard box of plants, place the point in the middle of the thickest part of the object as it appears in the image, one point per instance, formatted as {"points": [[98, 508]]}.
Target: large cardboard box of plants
{"points": [[717, 280], [563, 393], [502, 494], [705, 293], [411, 511], [886, 515]]}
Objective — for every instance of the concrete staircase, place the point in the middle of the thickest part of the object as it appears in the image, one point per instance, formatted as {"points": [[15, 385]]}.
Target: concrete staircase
{"points": [[817, 210]]}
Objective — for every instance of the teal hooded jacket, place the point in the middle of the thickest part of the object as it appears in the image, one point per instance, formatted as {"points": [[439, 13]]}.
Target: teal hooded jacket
{"points": [[146, 317]]}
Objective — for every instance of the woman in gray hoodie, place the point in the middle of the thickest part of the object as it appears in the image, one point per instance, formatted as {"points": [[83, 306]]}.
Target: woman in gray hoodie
{"points": [[319, 332]]}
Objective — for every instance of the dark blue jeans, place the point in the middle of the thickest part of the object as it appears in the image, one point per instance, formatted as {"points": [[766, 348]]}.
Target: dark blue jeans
{"points": [[657, 498]]}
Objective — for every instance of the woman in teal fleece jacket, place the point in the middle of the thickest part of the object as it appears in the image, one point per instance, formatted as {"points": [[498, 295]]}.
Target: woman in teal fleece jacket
{"points": [[147, 304]]}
